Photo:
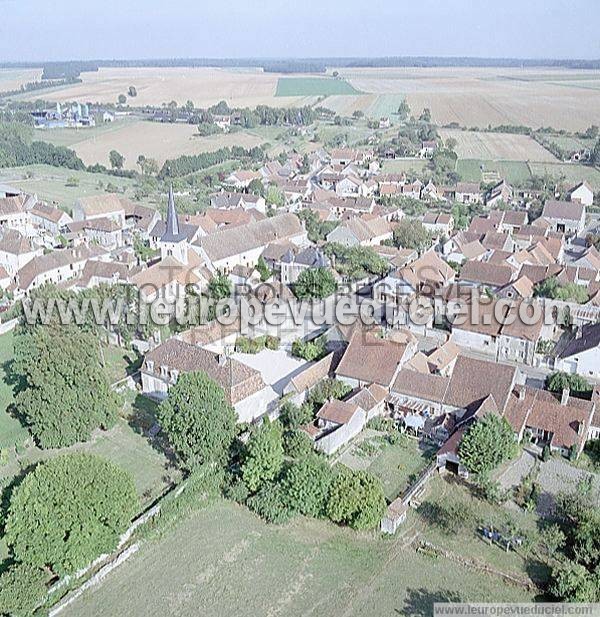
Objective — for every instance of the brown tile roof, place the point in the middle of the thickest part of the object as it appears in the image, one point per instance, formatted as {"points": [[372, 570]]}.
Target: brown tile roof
{"points": [[486, 273], [15, 243], [51, 261], [474, 380], [12, 205], [421, 385], [235, 240], [541, 410], [101, 204], [313, 374], [47, 212], [569, 210], [339, 412], [370, 359], [237, 380]]}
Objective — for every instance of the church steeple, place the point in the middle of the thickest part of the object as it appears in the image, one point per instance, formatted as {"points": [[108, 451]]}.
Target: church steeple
{"points": [[173, 242], [172, 231]]}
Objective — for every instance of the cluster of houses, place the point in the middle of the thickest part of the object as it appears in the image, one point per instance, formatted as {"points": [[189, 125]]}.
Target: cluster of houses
{"points": [[76, 115], [473, 368]]}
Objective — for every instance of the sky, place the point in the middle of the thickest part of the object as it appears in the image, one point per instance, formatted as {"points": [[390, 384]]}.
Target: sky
{"points": [[32, 30]]}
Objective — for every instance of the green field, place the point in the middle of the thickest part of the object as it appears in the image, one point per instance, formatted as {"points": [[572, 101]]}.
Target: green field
{"points": [[470, 170], [225, 561], [11, 430], [70, 136], [397, 166], [50, 183], [395, 464], [313, 86], [572, 172], [125, 444], [385, 105], [570, 143]]}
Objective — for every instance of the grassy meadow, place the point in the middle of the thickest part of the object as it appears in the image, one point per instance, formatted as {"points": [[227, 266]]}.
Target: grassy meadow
{"points": [[224, 560]]}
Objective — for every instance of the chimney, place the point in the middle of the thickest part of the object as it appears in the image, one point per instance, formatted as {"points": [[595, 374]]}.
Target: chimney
{"points": [[564, 399], [222, 359], [521, 394], [578, 332]]}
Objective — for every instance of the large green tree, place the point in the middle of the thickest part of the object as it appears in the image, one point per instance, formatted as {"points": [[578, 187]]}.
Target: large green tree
{"points": [[356, 499], [69, 510], [487, 443], [264, 455], [22, 589], [198, 420], [315, 283], [306, 484], [410, 234], [64, 393]]}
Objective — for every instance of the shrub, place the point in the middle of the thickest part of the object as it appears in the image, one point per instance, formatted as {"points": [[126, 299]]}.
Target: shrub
{"points": [[270, 503], [22, 589], [297, 444], [237, 490], [306, 484], [356, 499], [293, 416], [310, 350]]}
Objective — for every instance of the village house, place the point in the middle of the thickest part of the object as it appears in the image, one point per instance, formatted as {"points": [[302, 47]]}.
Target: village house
{"points": [[104, 231], [499, 332], [244, 387], [468, 193], [501, 192], [581, 354], [227, 201], [538, 416], [49, 218], [16, 251], [485, 275], [361, 231], [369, 359], [15, 212], [439, 223], [111, 206], [566, 217], [234, 246], [292, 264], [241, 179], [55, 267], [582, 193]]}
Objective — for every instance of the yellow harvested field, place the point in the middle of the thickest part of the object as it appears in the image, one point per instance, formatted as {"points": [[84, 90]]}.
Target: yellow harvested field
{"points": [[13, 79], [345, 104], [497, 146], [481, 96], [203, 86], [157, 141]]}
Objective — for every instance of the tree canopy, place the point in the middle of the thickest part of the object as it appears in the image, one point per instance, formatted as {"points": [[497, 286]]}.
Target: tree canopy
{"points": [[306, 484], [487, 443], [69, 510], [64, 392], [410, 234], [198, 420], [356, 499], [264, 455], [315, 283]]}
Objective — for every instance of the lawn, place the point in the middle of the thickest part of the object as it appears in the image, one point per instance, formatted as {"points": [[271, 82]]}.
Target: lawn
{"points": [[476, 170], [11, 430], [465, 538], [385, 105], [119, 363], [572, 172], [394, 464], [225, 561], [313, 86], [396, 166], [50, 183]]}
